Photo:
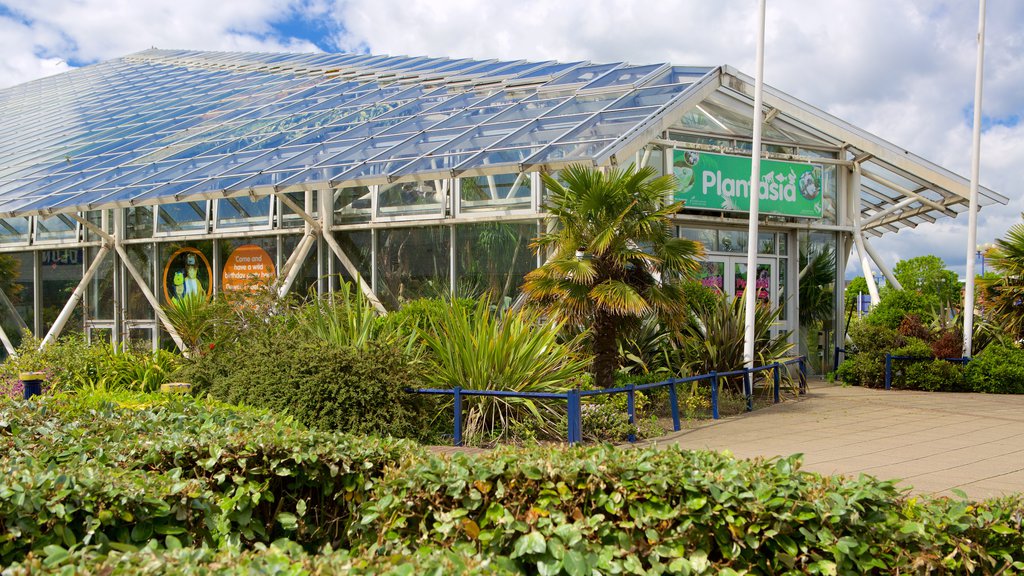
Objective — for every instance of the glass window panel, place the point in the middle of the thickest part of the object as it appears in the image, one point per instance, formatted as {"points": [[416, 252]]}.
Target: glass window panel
{"points": [[706, 236], [492, 258], [817, 300], [783, 294], [413, 198], [14, 230], [494, 193], [766, 243], [99, 295], [18, 286], [58, 227], [243, 211], [413, 263], [648, 97], [60, 273], [352, 205], [732, 241], [182, 217], [712, 275], [138, 222]]}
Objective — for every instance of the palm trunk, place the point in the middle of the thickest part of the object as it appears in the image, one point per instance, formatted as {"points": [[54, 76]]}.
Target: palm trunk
{"points": [[606, 353]]}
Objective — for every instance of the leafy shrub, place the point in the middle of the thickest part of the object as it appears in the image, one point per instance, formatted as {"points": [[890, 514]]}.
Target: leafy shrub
{"points": [[142, 484], [325, 386], [895, 305], [610, 511], [97, 469], [281, 557], [606, 417], [949, 344], [912, 327], [998, 369], [867, 366], [71, 363]]}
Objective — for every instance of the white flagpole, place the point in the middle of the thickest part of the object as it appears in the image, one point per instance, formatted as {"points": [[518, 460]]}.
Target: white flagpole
{"points": [[972, 219], [750, 291]]}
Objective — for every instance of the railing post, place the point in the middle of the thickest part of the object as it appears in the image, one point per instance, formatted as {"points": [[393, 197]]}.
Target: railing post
{"points": [[674, 400], [714, 395], [575, 431], [458, 415], [777, 372], [888, 371], [803, 374], [631, 410], [748, 390], [835, 360]]}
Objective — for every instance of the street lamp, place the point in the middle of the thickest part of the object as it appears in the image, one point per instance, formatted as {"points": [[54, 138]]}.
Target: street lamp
{"points": [[983, 250]]}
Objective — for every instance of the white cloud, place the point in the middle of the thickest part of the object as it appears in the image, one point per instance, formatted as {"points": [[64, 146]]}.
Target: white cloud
{"points": [[902, 70]]}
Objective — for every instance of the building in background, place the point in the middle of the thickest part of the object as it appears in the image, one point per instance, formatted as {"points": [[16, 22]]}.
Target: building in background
{"points": [[171, 172]]}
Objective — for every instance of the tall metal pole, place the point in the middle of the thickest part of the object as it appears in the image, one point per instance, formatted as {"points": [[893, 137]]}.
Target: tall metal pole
{"points": [[750, 291], [972, 219]]}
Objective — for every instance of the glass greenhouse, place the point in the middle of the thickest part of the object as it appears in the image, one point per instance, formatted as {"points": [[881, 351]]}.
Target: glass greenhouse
{"points": [[128, 183]]}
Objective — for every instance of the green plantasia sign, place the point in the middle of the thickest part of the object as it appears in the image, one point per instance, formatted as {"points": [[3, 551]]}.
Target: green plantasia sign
{"points": [[720, 182]]}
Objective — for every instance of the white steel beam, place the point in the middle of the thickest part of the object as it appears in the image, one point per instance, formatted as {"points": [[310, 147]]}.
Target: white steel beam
{"points": [[111, 240], [889, 276], [858, 238], [294, 264], [338, 251], [903, 190]]}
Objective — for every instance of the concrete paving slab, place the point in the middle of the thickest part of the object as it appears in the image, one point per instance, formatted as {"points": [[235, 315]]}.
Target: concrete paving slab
{"points": [[933, 442]]}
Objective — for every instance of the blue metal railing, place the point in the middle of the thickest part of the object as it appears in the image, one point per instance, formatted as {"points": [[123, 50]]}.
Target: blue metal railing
{"points": [[889, 359], [574, 433], [835, 358]]}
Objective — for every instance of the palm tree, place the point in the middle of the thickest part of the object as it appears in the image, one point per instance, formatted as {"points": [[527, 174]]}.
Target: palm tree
{"points": [[1004, 295], [612, 256]]}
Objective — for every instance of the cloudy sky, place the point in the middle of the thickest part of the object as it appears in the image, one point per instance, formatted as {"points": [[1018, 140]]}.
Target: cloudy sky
{"points": [[902, 70]]}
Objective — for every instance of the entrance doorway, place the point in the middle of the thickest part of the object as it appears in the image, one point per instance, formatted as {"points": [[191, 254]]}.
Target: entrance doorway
{"points": [[728, 274]]}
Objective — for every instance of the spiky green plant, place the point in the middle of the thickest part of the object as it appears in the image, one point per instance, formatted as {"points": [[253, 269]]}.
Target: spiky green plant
{"points": [[613, 257], [712, 339], [346, 318], [517, 351]]}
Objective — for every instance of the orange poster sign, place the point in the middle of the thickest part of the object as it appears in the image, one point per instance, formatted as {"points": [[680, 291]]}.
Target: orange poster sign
{"points": [[246, 267]]}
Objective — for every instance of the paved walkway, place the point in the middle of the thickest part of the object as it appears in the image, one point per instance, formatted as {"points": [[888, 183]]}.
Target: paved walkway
{"points": [[933, 442]]}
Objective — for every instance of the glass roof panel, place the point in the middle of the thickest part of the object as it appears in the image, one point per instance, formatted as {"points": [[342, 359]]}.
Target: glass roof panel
{"points": [[582, 74], [624, 76], [162, 125]]}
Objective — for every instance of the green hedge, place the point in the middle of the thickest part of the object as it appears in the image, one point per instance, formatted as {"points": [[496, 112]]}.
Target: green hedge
{"points": [[133, 483], [998, 369], [91, 471]]}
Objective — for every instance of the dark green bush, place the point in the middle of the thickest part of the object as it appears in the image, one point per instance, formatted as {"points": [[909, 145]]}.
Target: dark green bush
{"points": [[895, 305], [611, 511], [93, 470], [281, 557], [322, 385], [88, 481], [866, 366], [998, 369]]}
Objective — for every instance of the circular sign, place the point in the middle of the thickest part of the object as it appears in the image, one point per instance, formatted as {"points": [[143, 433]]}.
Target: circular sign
{"points": [[187, 273], [247, 267]]}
